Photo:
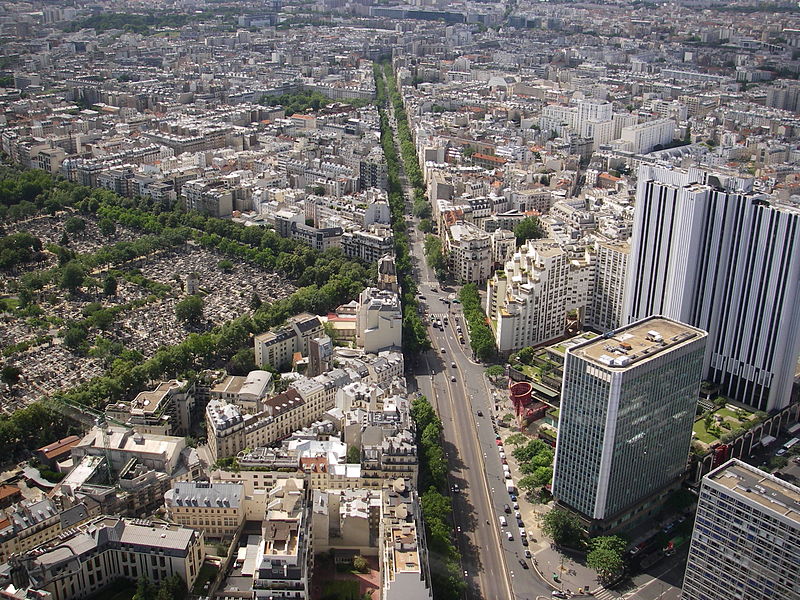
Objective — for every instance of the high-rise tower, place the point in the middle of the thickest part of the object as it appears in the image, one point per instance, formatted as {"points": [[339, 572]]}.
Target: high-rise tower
{"points": [[628, 401], [708, 251]]}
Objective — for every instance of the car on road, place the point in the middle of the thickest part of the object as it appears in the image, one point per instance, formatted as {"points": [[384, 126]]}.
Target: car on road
{"points": [[507, 509], [517, 514], [557, 594], [516, 505], [433, 289], [503, 521], [520, 524], [480, 413], [510, 536], [498, 441], [466, 574], [453, 365], [455, 488], [453, 378], [527, 553], [524, 541], [522, 563], [460, 340], [442, 350]]}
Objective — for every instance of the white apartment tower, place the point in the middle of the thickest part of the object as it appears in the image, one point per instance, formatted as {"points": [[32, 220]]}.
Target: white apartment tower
{"points": [[746, 538], [527, 300], [628, 402], [605, 310], [708, 251]]}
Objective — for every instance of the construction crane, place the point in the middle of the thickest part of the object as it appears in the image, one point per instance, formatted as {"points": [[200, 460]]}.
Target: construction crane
{"points": [[90, 417]]}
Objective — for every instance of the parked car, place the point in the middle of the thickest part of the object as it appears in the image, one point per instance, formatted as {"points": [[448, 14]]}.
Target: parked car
{"points": [[522, 563], [507, 509]]}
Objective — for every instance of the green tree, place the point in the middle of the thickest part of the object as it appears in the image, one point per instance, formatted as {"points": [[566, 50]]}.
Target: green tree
{"points": [[190, 309], [606, 555], [255, 301], [225, 265], [9, 374], [144, 590], [110, 285], [74, 225], [425, 225], [242, 362], [495, 371], [107, 227], [64, 239], [72, 276], [102, 319], [528, 229], [517, 439], [778, 462], [563, 527], [354, 455], [75, 337], [360, 564]]}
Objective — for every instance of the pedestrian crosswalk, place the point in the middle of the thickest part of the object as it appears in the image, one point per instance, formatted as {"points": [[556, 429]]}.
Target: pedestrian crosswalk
{"points": [[605, 594]]}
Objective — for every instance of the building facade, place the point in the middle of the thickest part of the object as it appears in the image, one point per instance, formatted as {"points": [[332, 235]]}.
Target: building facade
{"points": [[709, 252], [89, 558], [746, 538], [627, 406]]}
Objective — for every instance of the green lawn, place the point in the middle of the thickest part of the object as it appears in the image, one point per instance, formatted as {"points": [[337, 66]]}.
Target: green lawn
{"points": [[340, 589], [532, 372], [701, 433]]}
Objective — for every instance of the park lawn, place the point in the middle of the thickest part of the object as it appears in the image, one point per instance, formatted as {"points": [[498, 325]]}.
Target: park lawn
{"points": [[532, 372], [730, 415], [699, 429], [342, 589]]}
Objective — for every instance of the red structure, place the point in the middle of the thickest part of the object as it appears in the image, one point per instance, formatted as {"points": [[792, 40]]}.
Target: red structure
{"points": [[721, 454], [520, 393]]}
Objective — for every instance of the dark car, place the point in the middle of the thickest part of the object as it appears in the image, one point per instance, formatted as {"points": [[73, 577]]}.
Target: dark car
{"points": [[522, 563], [480, 413], [507, 509]]}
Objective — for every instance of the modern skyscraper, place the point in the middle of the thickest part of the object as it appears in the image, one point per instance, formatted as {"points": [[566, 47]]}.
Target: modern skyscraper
{"points": [[708, 251], [627, 405], [746, 539]]}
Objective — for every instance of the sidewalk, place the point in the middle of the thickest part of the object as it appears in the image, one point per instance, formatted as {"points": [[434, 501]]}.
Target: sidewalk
{"points": [[549, 562]]}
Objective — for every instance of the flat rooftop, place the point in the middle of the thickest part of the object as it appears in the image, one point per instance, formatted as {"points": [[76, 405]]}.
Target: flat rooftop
{"points": [[640, 341], [406, 556], [770, 492]]}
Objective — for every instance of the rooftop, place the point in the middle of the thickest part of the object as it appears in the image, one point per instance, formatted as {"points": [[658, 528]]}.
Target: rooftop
{"points": [[637, 342], [770, 492]]}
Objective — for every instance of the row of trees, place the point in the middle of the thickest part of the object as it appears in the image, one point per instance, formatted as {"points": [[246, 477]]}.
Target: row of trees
{"points": [[444, 556], [481, 338], [535, 461], [606, 554], [435, 256], [415, 336], [328, 280], [17, 249]]}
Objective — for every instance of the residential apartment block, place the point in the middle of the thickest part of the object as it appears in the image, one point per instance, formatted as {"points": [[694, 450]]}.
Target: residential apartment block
{"points": [[87, 559], [277, 348], [708, 251], [216, 509], [746, 538]]}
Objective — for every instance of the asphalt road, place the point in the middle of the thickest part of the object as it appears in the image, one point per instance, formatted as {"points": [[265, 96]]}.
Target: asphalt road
{"points": [[490, 559]]}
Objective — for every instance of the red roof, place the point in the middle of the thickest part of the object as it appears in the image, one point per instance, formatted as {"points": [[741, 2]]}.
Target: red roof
{"points": [[60, 447]]}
